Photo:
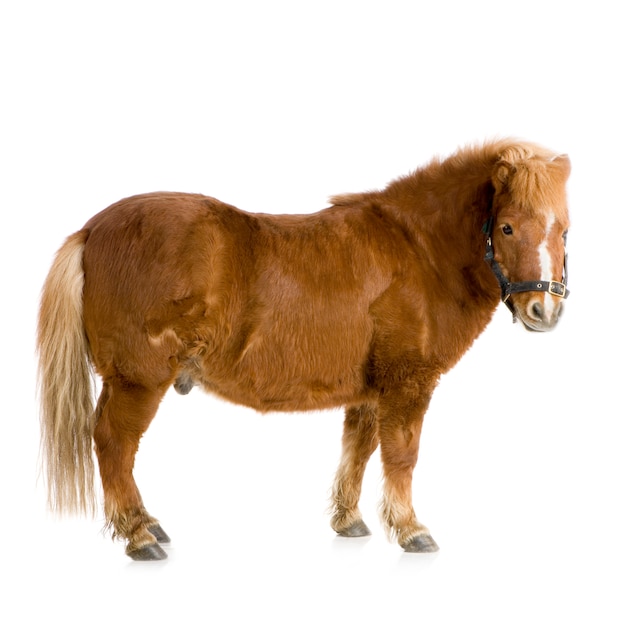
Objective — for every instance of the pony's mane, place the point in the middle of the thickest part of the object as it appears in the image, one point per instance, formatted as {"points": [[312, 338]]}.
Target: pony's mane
{"points": [[528, 170]]}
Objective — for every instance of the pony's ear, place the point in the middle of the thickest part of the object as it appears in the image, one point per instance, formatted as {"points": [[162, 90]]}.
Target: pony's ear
{"points": [[562, 160], [502, 174]]}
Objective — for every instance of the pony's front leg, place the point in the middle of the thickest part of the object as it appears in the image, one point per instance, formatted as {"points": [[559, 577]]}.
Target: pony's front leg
{"points": [[400, 427], [359, 442], [123, 414]]}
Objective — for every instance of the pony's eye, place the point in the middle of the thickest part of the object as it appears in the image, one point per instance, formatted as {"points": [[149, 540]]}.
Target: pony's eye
{"points": [[507, 229]]}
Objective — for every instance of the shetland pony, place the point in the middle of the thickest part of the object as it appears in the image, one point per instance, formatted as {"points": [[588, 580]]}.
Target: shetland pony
{"points": [[363, 306]]}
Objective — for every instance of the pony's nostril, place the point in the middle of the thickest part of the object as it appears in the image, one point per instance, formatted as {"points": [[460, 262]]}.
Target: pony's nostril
{"points": [[537, 310]]}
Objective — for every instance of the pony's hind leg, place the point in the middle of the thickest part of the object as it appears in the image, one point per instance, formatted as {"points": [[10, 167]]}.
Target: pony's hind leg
{"points": [[123, 414], [359, 442]]}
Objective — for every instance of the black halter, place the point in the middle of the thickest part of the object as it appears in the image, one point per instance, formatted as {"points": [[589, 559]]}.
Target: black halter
{"points": [[507, 288]]}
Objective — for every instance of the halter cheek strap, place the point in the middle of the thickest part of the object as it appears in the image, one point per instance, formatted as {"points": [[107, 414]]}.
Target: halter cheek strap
{"points": [[507, 288]]}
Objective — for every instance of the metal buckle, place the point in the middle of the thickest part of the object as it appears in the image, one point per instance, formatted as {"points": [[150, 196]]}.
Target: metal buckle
{"points": [[556, 288]]}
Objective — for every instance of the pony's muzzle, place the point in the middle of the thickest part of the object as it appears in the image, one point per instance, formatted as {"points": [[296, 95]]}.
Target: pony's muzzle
{"points": [[541, 313]]}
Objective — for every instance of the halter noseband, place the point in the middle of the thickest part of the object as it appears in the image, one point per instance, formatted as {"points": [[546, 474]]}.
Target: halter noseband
{"points": [[507, 288]]}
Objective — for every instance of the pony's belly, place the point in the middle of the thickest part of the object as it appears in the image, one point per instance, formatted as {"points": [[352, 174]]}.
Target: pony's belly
{"points": [[266, 391], [312, 366]]}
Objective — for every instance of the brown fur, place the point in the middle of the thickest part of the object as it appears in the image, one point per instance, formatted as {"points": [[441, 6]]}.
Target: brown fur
{"points": [[362, 305]]}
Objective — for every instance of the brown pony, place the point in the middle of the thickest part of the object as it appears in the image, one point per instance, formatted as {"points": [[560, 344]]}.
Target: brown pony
{"points": [[363, 305]]}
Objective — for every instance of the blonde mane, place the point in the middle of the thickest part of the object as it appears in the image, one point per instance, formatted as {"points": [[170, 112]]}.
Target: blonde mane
{"points": [[528, 169]]}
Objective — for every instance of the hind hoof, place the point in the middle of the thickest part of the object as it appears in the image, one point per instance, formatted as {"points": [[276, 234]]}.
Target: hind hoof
{"points": [[159, 534], [422, 544], [150, 552], [358, 529]]}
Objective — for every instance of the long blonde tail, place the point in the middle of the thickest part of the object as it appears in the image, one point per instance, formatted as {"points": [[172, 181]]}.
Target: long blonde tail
{"points": [[65, 384]]}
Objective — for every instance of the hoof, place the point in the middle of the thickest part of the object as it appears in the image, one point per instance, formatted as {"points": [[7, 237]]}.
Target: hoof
{"points": [[150, 552], [421, 543], [358, 529], [159, 534]]}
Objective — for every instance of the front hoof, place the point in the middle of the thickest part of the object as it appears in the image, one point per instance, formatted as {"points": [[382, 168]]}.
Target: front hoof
{"points": [[149, 552], [358, 529], [421, 543], [159, 534]]}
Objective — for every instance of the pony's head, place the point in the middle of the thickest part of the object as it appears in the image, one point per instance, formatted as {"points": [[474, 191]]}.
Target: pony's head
{"points": [[527, 233]]}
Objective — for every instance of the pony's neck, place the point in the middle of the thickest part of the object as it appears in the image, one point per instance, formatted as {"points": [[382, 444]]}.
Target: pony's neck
{"points": [[443, 208], [446, 191]]}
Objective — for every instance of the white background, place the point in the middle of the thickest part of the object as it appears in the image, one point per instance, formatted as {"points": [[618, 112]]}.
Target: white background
{"points": [[273, 106]]}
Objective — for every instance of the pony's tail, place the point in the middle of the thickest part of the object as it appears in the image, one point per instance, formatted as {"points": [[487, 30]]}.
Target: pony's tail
{"points": [[65, 384]]}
